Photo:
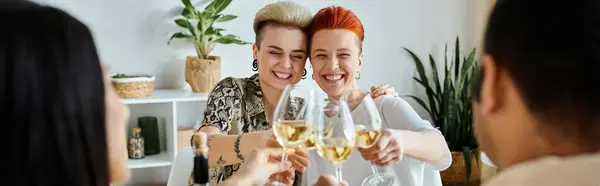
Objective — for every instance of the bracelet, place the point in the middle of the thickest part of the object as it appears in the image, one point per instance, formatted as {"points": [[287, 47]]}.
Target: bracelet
{"points": [[236, 148]]}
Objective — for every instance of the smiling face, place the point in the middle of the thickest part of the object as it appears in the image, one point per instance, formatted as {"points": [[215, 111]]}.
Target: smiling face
{"points": [[335, 57], [281, 55]]}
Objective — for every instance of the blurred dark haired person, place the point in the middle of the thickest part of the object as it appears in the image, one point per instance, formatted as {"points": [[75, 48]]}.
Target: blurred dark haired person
{"points": [[63, 123], [537, 97]]}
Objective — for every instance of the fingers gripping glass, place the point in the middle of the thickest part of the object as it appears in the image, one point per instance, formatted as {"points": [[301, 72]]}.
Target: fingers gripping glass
{"points": [[368, 130], [292, 118]]}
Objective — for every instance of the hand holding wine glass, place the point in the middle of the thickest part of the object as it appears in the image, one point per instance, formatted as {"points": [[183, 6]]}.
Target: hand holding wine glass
{"points": [[370, 135], [298, 157], [292, 120], [387, 151], [259, 166]]}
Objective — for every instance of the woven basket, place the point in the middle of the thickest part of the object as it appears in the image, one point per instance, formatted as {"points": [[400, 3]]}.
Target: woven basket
{"points": [[134, 86], [456, 174]]}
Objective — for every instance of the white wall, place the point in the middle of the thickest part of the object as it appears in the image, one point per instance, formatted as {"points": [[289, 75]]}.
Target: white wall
{"points": [[132, 36]]}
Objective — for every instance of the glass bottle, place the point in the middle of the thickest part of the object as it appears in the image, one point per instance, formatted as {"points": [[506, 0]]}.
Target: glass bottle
{"points": [[200, 159], [136, 144]]}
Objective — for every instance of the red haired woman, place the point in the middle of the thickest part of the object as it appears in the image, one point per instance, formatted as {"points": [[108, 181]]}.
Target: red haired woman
{"points": [[336, 56]]}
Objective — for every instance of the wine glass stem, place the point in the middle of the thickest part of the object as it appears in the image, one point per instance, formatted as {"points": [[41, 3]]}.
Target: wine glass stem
{"points": [[338, 172], [283, 160], [284, 155], [374, 169]]}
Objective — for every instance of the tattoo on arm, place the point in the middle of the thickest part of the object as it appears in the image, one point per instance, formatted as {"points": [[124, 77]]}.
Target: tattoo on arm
{"points": [[221, 161], [236, 148]]}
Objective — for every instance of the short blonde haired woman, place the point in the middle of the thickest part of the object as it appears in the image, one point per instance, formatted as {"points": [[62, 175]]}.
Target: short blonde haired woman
{"points": [[237, 109]]}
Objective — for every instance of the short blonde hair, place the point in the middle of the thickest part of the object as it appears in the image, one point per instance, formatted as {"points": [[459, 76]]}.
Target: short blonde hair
{"points": [[284, 13]]}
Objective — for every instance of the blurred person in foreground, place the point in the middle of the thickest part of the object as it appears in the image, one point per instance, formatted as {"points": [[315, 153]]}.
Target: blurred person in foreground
{"points": [[63, 122], [536, 100]]}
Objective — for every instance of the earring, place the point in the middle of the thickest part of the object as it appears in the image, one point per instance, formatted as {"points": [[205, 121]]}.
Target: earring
{"points": [[357, 75], [255, 65], [304, 74]]}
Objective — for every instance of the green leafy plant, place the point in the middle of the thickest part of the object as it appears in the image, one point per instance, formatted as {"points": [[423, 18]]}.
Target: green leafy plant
{"points": [[116, 76], [200, 28], [448, 101]]}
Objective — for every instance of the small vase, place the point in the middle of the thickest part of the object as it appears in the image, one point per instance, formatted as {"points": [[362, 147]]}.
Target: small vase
{"points": [[136, 144], [202, 74], [150, 132]]}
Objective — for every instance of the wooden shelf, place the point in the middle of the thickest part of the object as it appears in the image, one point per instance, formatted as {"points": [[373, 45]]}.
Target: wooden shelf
{"points": [[168, 95], [157, 160], [174, 109]]}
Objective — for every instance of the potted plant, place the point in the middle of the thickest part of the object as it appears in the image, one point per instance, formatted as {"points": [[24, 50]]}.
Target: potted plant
{"points": [[203, 70], [449, 105]]}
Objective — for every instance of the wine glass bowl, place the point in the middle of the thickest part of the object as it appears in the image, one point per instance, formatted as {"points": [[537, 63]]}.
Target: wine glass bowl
{"points": [[292, 119], [293, 116], [335, 135]]}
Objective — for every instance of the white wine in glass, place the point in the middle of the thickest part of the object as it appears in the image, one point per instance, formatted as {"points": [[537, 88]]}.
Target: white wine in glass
{"points": [[336, 137], [310, 143], [335, 151], [366, 137], [368, 130], [291, 119], [291, 133]]}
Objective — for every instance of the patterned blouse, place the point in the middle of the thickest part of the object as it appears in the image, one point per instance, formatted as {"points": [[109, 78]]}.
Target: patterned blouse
{"points": [[235, 107]]}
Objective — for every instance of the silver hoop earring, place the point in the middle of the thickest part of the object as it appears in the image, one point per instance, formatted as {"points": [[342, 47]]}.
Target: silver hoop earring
{"points": [[357, 75]]}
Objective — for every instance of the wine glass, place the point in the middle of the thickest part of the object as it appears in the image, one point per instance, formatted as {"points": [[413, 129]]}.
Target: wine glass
{"points": [[368, 130], [292, 118], [336, 137]]}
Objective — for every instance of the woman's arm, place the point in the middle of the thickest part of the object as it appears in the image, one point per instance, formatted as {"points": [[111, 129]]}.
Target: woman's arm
{"points": [[420, 139], [221, 111], [427, 145], [258, 168], [223, 148]]}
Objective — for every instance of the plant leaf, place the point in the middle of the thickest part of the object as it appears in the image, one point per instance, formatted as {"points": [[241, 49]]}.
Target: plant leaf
{"points": [[225, 18], [188, 10], [436, 77], [187, 3], [190, 27], [423, 77], [205, 21], [217, 6], [428, 89], [214, 31], [456, 58], [179, 35], [467, 155], [230, 39], [182, 23], [187, 13]]}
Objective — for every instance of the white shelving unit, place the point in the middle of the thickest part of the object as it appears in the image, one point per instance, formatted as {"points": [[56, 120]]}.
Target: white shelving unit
{"points": [[173, 108]]}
